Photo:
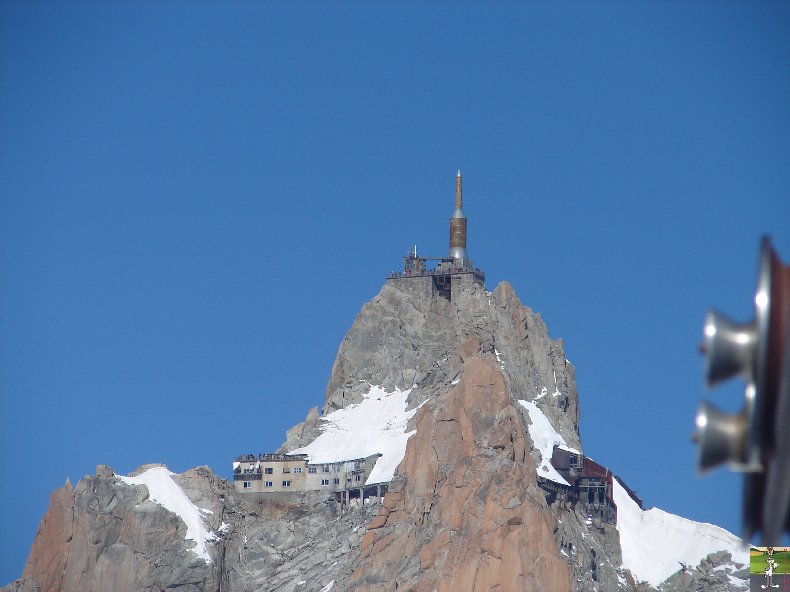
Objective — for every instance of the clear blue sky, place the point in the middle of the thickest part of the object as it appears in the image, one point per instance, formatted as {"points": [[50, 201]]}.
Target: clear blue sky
{"points": [[197, 198]]}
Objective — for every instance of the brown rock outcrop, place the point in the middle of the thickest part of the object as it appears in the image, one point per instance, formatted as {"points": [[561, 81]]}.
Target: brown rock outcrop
{"points": [[105, 535], [464, 513], [47, 561]]}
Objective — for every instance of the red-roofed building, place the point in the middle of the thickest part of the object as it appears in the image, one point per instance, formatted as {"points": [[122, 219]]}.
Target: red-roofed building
{"points": [[589, 485]]}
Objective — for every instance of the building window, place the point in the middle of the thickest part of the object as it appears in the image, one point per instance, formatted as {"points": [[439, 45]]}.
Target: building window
{"points": [[358, 478], [268, 470], [337, 481], [297, 470], [267, 483], [286, 483], [286, 469], [247, 485], [311, 470], [325, 482], [325, 468]]}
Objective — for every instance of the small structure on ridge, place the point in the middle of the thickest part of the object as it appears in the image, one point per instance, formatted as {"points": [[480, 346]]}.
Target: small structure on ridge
{"points": [[590, 485], [452, 271]]}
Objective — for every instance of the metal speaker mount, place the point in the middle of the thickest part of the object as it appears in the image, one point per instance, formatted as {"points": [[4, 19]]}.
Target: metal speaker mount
{"points": [[730, 348], [721, 437], [755, 440]]}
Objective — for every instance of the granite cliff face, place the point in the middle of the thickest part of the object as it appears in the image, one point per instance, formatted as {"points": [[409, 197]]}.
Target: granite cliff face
{"points": [[106, 535], [408, 335], [463, 513]]}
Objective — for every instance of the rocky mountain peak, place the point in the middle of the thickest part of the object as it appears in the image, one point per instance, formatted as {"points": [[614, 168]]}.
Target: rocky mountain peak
{"points": [[409, 335], [475, 397]]}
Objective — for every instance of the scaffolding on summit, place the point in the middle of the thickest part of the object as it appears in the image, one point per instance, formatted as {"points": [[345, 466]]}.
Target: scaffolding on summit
{"points": [[456, 266]]}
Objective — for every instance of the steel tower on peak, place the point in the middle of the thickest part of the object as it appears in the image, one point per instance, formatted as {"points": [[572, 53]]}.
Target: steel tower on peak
{"points": [[458, 229]]}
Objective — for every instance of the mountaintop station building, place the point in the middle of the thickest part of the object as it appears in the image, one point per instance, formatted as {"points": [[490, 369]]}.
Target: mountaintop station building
{"points": [[454, 269], [590, 485], [292, 473]]}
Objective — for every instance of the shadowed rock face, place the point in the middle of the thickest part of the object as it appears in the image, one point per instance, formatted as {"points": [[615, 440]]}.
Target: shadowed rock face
{"points": [[464, 512]]}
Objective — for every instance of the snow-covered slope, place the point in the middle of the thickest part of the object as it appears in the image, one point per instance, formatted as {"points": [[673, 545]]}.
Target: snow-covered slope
{"points": [[377, 425], [545, 438], [166, 492], [654, 542]]}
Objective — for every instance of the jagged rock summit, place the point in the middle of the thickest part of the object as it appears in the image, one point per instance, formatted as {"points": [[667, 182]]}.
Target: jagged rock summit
{"points": [[475, 504], [408, 336]]}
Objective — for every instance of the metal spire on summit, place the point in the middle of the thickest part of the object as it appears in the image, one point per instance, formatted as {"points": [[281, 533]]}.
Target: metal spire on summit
{"points": [[455, 268], [458, 228], [458, 191]]}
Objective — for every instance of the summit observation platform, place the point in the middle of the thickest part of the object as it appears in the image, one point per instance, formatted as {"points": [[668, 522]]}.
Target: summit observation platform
{"points": [[477, 274]]}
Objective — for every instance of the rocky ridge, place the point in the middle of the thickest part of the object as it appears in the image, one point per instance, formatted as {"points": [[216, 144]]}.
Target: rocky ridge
{"points": [[408, 336], [464, 511]]}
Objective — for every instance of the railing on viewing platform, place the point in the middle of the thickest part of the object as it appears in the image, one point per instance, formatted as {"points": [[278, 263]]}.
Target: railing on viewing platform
{"points": [[396, 275], [269, 457]]}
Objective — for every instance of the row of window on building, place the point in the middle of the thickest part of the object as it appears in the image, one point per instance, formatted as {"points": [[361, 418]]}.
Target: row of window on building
{"points": [[297, 470], [287, 482]]}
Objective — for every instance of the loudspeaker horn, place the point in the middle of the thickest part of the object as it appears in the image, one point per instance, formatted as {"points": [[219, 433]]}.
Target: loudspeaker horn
{"points": [[721, 437], [730, 348]]}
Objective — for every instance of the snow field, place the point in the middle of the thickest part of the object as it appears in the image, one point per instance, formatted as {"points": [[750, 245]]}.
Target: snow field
{"points": [[655, 542], [377, 425]]}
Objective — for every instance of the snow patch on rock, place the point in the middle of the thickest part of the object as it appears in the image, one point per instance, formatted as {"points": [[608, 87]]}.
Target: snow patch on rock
{"points": [[655, 542], [545, 438], [377, 425], [166, 492]]}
